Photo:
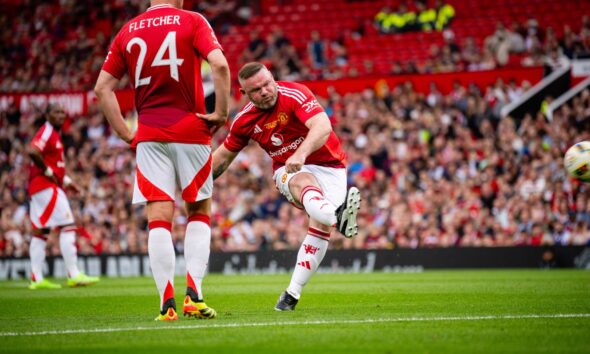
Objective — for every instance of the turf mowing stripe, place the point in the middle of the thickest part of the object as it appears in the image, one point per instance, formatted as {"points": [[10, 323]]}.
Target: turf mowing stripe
{"points": [[298, 323]]}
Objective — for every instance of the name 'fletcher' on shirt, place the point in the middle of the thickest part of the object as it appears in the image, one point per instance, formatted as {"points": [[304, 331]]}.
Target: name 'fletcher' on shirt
{"points": [[155, 22]]}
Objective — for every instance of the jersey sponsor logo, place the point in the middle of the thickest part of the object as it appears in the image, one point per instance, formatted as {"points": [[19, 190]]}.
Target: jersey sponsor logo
{"points": [[293, 146], [282, 118], [309, 106], [276, 139], [257, 129]]}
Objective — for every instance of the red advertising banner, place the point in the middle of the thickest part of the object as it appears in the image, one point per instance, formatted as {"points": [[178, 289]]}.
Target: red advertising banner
{"points": [[444, 82], [76, 103]]}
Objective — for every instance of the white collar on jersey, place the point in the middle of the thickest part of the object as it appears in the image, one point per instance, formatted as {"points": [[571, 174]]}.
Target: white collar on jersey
{"points": [[155, 7]]}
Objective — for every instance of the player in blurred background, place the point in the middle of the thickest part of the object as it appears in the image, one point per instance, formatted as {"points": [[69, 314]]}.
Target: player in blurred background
{"points": [[49, 204], [287, 121], [162, 50]]}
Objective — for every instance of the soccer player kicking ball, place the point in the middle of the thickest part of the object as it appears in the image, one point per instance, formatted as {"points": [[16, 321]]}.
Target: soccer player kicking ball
{"points": [[162, 50], [49, 205], [286, 120]]}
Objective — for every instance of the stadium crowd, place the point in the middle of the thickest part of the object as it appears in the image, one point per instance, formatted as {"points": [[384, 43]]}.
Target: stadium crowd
{"points": [[434, 171]]}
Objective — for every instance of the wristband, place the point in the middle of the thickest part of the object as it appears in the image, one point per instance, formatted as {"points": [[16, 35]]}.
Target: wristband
{"points": [[48, 172]]}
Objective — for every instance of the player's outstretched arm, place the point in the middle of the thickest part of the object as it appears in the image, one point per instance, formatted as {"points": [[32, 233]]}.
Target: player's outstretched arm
{"points": [[105, 91], [319, 131], [221, 81], [221, 160]]}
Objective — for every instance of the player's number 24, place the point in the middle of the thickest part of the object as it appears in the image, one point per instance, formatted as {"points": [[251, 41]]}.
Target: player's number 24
{"points": [[168, 45]]}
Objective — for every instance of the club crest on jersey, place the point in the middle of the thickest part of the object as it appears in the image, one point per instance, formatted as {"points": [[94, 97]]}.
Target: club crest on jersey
{"points": [[282, 119], [309, 249], [276, 139], [284, 178]]}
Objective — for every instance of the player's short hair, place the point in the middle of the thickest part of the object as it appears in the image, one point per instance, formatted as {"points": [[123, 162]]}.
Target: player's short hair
{"points": [[49, 107], [249, 70]]}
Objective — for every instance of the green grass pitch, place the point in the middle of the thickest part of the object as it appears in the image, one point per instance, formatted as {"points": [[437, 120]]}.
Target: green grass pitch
{"points": [[497, 311]]}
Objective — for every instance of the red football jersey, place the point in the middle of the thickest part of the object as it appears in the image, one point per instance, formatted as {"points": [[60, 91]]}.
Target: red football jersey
{"points": [[162, 50], [48, 141], [281, 130]]}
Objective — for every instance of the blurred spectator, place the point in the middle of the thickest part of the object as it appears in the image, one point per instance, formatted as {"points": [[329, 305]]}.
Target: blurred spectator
{"points": [[317, 51], [256, 49], [426, 20], [444, 14]]}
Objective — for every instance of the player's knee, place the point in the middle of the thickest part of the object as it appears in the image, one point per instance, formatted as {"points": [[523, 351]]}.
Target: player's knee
{"points": [[202, 207], [300, 181], [160, 210], [41, 232], [322, 226]]}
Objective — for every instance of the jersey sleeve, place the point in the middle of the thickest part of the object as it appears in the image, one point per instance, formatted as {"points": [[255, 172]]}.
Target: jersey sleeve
{"points": [[235, 140], [114, 63], [205, 40], [42, 140], [310, 106]]}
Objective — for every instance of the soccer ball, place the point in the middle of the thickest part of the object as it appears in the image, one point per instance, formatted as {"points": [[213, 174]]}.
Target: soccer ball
{"points": [[577, 161]]}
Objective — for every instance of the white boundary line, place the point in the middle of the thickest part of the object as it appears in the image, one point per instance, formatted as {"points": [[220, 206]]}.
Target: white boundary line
{"points": [[298, 323]]}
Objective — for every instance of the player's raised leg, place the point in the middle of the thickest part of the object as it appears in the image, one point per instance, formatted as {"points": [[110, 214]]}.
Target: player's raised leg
{"points": [[309, 185]]}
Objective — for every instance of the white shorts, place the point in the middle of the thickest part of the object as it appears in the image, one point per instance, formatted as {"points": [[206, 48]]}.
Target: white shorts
{"points": [[332, 181], [163, 166], [50, 208]]}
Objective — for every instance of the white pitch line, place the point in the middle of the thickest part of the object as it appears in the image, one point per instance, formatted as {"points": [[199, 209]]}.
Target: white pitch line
{"points": [[298, 323]]}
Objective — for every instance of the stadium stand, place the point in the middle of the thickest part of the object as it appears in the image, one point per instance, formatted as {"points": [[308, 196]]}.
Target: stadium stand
{"points": [[436, 168], [47, 50]]}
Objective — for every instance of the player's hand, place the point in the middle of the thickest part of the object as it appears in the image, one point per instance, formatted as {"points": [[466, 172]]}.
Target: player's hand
{"points": [[214, 118], [128, 138], [50, 175], [294, 163]]}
